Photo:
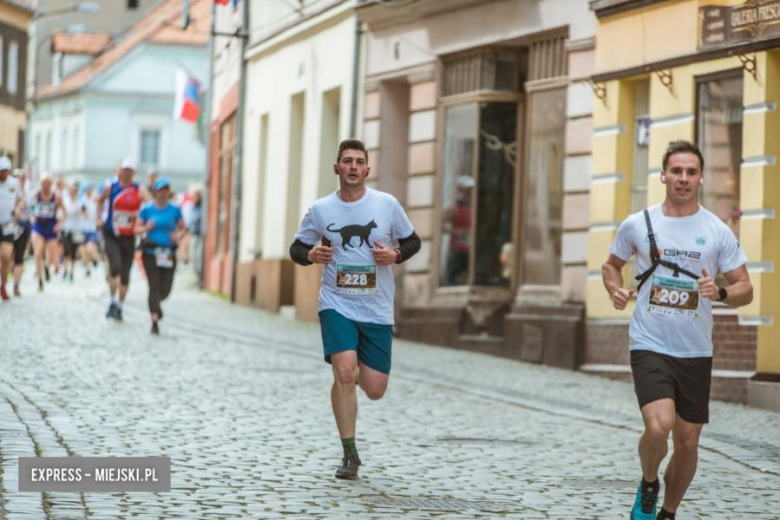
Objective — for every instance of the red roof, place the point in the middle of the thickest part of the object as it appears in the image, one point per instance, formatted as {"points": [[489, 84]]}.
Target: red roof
{"points": [[85, 43], [162, 25]]}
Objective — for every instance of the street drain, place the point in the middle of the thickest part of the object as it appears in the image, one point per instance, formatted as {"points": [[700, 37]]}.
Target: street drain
{"points": [[439, 504], [590, 483], [483, 440]]}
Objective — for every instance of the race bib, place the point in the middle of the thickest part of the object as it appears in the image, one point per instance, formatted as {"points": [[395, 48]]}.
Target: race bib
{"points": [[356, 279], [78, 237], [674, 297], [163, 257], [123, 220], [46, 210]]}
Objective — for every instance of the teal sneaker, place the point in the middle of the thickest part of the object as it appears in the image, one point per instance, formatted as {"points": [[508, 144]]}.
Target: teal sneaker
{"points": [[645, 504]]}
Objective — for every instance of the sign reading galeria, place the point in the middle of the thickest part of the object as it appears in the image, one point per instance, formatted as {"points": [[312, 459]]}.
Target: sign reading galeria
{"points": [[728, 22]]}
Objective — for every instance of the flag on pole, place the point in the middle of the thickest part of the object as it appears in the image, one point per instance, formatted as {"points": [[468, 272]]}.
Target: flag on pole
{"points": [[234, 3], [187, 103]]}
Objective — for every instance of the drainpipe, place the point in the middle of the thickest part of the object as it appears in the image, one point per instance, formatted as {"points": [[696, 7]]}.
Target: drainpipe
{"points": [[238, 162], [204, 195], [356, 76]]}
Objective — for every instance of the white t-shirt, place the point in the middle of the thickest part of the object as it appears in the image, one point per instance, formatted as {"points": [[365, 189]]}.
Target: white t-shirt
{"points": [[667, 318], [89, 222], [73, 210], [352, 284], [10, 192]]}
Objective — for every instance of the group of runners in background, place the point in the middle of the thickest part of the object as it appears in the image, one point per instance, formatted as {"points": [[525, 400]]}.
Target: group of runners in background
{"points": [[120, 222]]}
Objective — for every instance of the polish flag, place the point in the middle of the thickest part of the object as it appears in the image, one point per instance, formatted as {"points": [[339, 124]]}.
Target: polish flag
{"points": [[234, 3], [187, 104]]}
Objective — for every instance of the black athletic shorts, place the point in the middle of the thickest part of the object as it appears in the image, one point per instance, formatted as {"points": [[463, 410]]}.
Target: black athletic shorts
{"points": [[684, 380], [120, 251]]}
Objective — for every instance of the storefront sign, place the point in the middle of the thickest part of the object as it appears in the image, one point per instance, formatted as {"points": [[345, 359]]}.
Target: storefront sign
{"points": [[731, 22]]}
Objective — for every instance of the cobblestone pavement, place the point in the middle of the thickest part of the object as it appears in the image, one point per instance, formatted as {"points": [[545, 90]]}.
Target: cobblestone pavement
{"points": [[239, 400]]}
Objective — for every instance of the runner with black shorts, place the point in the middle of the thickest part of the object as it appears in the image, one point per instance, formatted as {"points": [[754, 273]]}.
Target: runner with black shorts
{"points": [[680, 246], [124, 198], [357, 287]]}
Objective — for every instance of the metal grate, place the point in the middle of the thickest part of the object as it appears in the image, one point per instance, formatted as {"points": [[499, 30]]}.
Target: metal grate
{"points": [[590, 483], [480, 440], [440, 504]]}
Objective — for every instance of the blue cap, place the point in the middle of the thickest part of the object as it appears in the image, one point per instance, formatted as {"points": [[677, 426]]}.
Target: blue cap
{"points": [[162, 183]]}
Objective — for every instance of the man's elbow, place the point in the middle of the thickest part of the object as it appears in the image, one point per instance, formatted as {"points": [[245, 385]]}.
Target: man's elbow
{"points": [[749, 295]]}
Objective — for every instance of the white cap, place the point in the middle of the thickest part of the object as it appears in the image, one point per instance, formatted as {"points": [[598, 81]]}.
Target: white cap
{"points": [[5, 163], [128, 164]]}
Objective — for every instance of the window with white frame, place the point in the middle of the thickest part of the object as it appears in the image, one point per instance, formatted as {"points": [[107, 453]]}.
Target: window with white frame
{"points": [[13, 67], [2, 57]]}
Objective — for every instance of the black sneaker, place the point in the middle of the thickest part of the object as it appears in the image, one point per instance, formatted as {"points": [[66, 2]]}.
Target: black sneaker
{"points": [[46, 271], [155, 329], [117, 313], [349, 467], [40, 284], [111, 311], [71, 276]]}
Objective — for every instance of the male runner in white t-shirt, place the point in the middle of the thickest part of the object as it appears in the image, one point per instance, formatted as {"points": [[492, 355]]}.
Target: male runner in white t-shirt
{"points": [[355, 225], [671, 328]]}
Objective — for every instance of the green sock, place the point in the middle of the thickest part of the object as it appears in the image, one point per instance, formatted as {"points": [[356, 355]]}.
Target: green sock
{"points": [[349, 446]]}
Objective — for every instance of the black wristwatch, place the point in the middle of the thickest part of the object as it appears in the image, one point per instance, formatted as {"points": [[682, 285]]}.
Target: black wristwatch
{"points": [[722, 294], [398, 257]]}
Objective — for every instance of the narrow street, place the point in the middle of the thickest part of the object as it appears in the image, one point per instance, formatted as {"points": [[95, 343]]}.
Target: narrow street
{"points": [[239, 399]]}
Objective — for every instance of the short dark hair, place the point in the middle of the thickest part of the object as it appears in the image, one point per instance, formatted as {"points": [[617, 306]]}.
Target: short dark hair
{"points": [[682, 146], [351, 144]]}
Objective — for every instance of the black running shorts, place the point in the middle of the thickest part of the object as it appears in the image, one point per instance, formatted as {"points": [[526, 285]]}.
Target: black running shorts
{"points": [[684, 380]]}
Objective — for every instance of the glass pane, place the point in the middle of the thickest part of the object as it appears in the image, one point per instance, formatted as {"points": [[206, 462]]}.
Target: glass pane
{"points": [[150, 147], [543, 196], [488, 71], [13, 67], [495, 193], [720, 140], [506, 71], [457, 198]]}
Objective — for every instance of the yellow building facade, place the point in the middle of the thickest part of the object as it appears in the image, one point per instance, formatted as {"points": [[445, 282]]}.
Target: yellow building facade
{"points": [[707, 71]]}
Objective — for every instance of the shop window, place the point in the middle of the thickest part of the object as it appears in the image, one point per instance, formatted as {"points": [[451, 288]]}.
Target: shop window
{"points": [[641, 145], [480, 159], [719, 136], [482, 95]]}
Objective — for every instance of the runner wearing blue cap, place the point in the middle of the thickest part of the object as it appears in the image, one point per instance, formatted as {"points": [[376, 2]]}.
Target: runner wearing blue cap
{"points": [[162, 224]]}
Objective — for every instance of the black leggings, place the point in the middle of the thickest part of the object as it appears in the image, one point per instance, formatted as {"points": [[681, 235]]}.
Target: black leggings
{"points": [[120, 252], [20, 246], [160, 282]]}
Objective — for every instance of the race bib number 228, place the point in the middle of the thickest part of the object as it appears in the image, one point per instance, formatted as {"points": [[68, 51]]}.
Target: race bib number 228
{"points": [[356, 278]]}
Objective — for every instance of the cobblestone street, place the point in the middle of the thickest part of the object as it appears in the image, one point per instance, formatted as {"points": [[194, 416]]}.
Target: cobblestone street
{"points": [[239, 399]]}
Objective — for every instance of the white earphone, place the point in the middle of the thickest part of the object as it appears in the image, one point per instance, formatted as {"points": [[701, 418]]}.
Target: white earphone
{"points": [[663, 179]]}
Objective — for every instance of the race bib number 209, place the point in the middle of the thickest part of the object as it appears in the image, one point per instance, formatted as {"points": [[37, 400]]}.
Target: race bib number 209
{"points": [[674, 296]]}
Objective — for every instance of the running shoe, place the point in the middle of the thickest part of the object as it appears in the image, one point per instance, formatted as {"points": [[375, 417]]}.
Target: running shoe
{"points": [[645, 504], [4, 294], [16, 291], [117, 313], [155, 329], [46, 270], [40, 284], [111, 311], [71, 276], [349, 467]]}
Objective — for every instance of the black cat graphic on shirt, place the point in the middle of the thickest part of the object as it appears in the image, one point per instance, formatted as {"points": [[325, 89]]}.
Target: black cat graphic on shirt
{"points": [[355, 230]]}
